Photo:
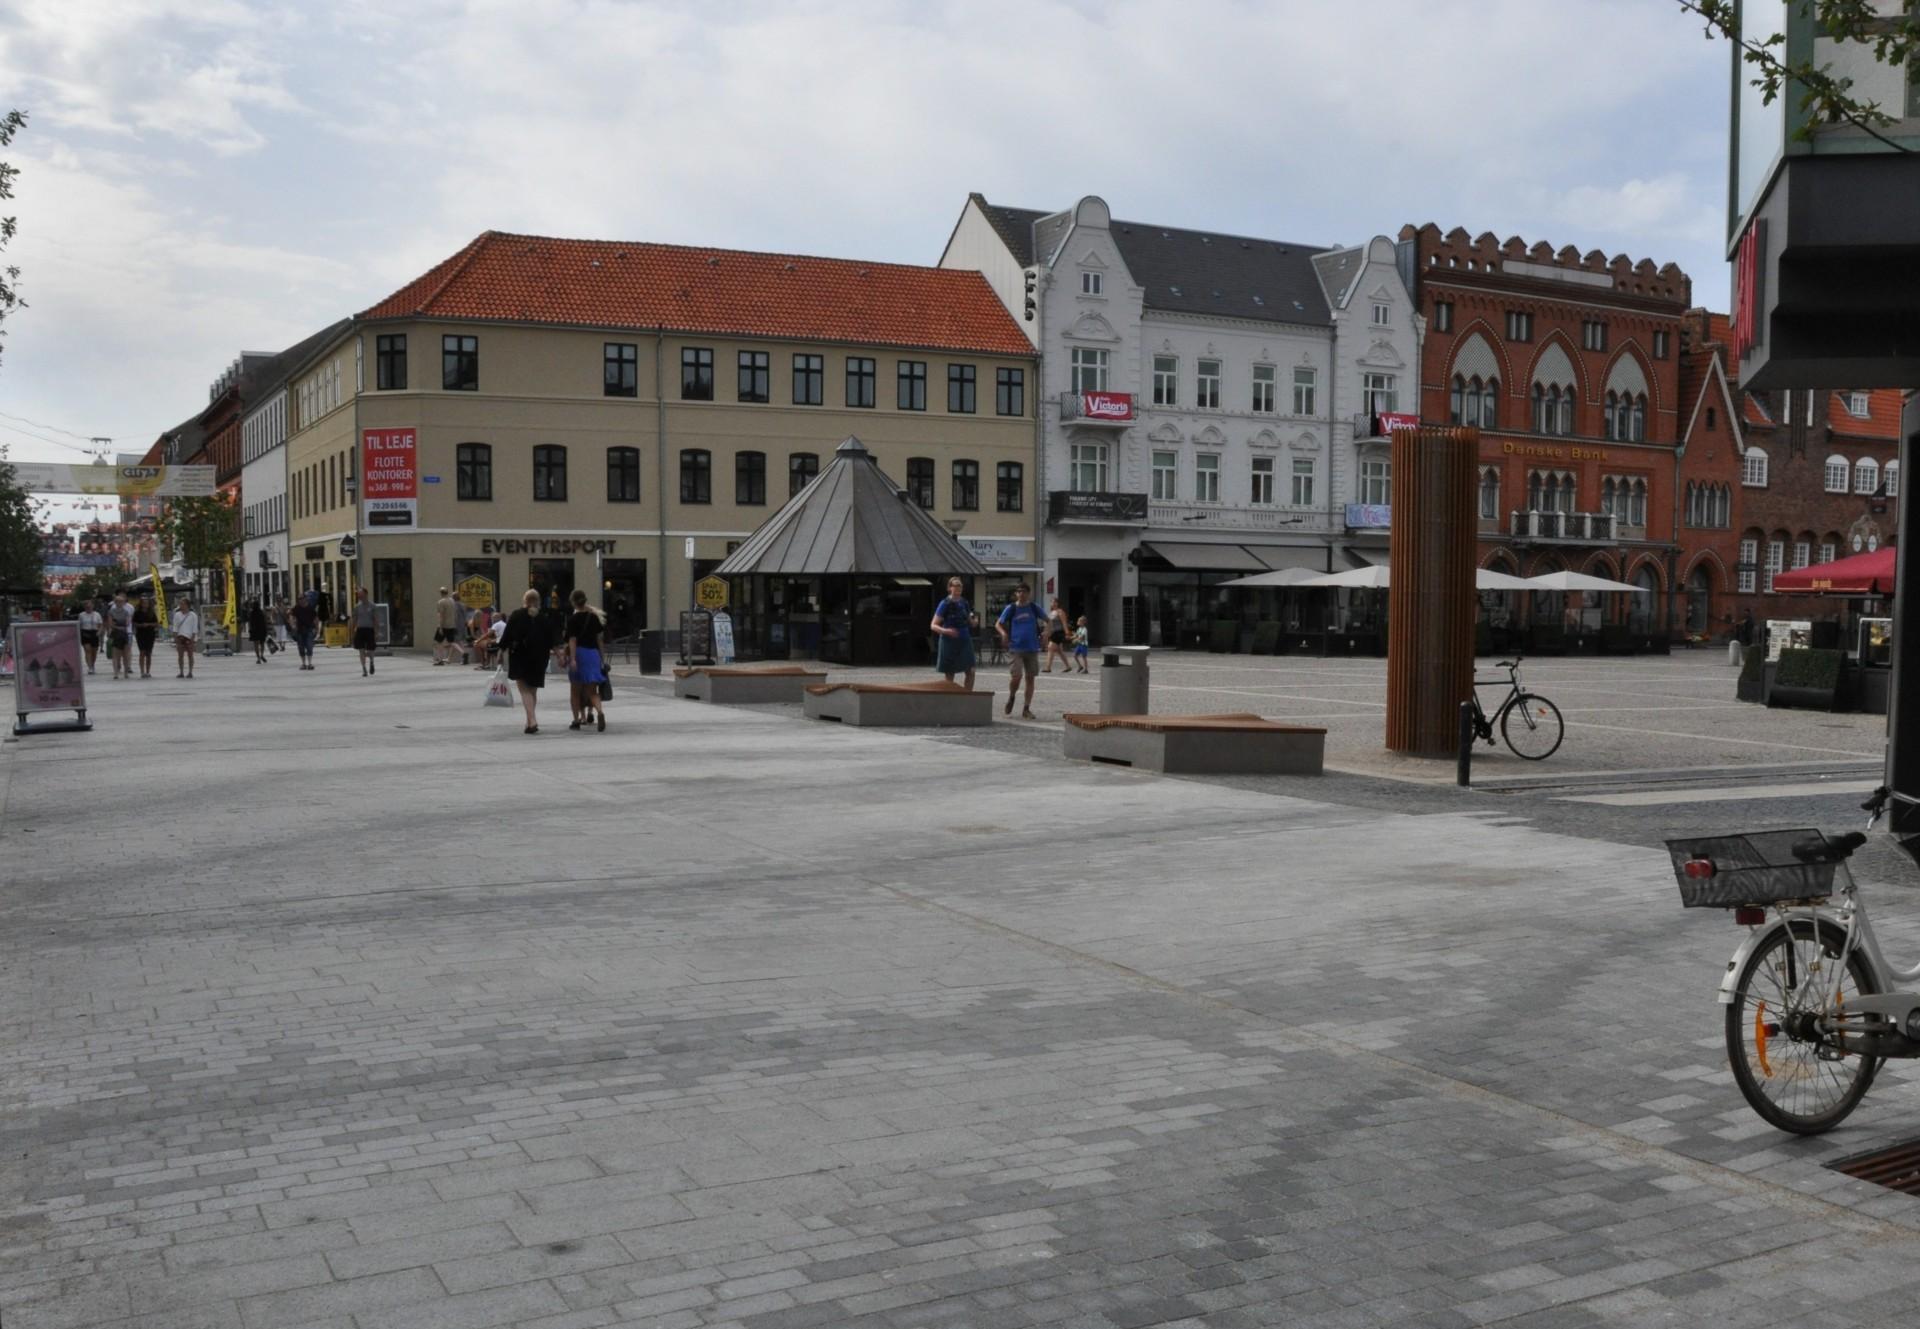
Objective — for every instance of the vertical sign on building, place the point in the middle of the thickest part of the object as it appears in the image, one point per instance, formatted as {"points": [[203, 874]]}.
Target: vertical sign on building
{"points": [[390, 476]]}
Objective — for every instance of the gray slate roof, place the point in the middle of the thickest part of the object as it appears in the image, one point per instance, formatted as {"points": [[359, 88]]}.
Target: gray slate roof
{"points": [[1189, 272], [851, 518], [1337, 269]]}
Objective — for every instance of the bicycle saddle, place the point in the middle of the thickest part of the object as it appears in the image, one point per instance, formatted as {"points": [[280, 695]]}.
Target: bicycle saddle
{"points": [[1815, 849]]}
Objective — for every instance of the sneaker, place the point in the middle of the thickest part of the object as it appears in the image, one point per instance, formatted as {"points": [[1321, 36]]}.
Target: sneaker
{"points": [[438, 663], [603, 721], [1026, 714], [1008, 708]]}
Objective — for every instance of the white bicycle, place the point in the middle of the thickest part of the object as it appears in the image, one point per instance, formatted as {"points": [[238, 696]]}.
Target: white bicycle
{"points": [[1813, 1004]]}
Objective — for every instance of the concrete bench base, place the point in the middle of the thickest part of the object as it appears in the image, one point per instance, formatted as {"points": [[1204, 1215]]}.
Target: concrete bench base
{"points": [[1196, 745], [745, 687], [900, 706]]}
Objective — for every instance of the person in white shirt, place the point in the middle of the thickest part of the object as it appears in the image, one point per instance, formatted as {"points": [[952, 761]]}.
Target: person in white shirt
{"points": [[90, 622], [186, 636]]}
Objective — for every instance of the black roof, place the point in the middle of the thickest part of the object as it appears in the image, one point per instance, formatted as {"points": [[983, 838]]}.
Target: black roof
{"points": [[1189, 272]]}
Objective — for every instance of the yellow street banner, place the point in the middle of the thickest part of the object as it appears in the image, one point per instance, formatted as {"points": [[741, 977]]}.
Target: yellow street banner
{"points": [[159, 596], [232, 617], [125, 481]]}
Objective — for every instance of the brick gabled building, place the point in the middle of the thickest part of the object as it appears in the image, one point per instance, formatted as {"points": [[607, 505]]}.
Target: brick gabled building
{"points": [[1707, 481], [1569, 366]]}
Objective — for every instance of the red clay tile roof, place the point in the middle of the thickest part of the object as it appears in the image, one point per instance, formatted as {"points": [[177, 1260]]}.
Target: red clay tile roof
{"points": [[1882, 419], [720, 292]]}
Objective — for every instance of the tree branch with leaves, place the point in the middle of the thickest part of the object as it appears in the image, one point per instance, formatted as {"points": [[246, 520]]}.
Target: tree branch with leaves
{"points": [[11, 124]]}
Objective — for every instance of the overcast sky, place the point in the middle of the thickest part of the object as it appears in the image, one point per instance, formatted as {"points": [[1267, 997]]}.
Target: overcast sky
{"points": [[202, 177]]}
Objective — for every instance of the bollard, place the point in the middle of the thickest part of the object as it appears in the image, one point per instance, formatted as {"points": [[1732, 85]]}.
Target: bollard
{"points": [[1463, 768]]}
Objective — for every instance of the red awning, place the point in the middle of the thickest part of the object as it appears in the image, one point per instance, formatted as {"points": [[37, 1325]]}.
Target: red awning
{"points": [[1863, 574]]}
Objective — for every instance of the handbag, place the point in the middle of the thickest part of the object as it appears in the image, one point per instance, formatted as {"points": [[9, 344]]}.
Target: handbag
{"points": [[606, 688], [499, 690]]}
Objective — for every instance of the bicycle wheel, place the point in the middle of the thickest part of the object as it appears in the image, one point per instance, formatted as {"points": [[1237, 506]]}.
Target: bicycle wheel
{"points": [[1787, 1073], [1532, 727]]}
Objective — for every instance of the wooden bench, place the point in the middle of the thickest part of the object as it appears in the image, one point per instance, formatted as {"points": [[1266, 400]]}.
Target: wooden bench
{"points": [[1242, 744], [937, 705], [745, 687]]}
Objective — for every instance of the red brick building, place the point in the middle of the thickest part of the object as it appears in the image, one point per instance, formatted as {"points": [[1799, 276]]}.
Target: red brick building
{"points": [[1708, 481], [1570, 366]]}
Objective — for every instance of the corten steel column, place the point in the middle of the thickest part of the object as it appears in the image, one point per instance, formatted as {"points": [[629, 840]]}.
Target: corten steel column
{"points": [[1430, 603]]}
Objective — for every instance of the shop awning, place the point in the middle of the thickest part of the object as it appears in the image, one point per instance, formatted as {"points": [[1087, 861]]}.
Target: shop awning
{"points": [[1362, 557], [1206, 558], [1863, 574], [1313, 558]]}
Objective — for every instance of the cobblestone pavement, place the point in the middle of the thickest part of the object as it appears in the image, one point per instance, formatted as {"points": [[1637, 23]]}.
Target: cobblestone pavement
{"points": [[341, 1002]]}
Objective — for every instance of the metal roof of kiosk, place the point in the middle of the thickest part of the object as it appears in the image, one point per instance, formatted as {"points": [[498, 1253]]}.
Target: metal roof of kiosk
{"points": [[852, 518]]}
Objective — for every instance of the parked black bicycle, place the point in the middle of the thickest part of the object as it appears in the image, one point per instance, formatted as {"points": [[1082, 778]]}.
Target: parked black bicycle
{"points": [[1528, 722]]}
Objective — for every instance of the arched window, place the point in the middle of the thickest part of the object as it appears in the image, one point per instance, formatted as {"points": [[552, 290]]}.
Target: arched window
{"points": [[1457, 406], [1891, 478], [1610, 418], [1699, 598], [1541, 415], [1534, 491], [1489, 494], [1637, 504], [1693, 505], [1837, 471], [1866, 475], [1566, 412], [1606, 495], [1638, 422], [1753, 468]]}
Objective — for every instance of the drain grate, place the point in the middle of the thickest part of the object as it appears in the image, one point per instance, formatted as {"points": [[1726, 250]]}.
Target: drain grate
{"points": [[1897, 1168]]}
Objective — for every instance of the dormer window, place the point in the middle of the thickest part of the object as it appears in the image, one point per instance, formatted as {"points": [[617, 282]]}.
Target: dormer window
{"points": [[1382, 315], [1857, 405], [1090, 283]]}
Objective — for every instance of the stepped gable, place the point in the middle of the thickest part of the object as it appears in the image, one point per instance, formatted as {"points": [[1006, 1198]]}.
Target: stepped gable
{"points": [[1457, 251]]}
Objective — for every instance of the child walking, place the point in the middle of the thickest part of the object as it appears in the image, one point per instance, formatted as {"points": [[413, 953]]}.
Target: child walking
{"points": [[1080, 644]]}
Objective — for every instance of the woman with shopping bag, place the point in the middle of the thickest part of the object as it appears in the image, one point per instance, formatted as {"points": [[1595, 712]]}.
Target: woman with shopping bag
{"points": [[528, 644]]}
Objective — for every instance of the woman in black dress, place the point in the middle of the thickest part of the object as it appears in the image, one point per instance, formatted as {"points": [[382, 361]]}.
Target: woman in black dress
{"points": [[528, 642], [257, 631]]}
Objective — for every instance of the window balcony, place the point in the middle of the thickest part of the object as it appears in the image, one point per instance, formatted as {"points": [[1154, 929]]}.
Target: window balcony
{"points": [[1218, 517], [1562, 527]]}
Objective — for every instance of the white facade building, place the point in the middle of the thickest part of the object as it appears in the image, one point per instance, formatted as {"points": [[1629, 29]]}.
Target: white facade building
{"points": [[1197, 402], [267, 400]]}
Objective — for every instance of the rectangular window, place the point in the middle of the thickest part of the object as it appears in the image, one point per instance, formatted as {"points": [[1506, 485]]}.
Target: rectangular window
{"points": [[1166, 373], [1382, 315], [1378, 393], [1010, 391], [1519, 326], [809, 380], [960, 387], [756, 376], [1303, 385], [1776, 563], [460, 364], [1828, 551], [550, 474], [1088, 369], [696, 373], [1660, 345], [1206, 387], [920, 481], [860, 378], [1836, 473], [623, 475], [801, 468], [911, 386], [1262, 480], [1263, 381], [1087, 468], [750, 479], [473, 472], [1090, 283], [1302, 482], [1749, 556], [621, 370], [1166, 476], [696, 475], [1443, 316], [966, 486], [1593, 335], [1857, 405], [1376, 481], [1802, 553], [390, 361], [1206, 477], [1010, 487]]}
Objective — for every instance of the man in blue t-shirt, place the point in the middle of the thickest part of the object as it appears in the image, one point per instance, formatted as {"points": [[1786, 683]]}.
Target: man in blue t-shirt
{"points": [[1019, 627]]}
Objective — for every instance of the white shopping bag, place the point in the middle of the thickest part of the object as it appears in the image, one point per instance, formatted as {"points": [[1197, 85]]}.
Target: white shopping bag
{"points": [[499, 690]]}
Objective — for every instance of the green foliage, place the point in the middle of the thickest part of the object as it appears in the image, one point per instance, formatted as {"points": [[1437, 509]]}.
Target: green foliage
{"points": [[1825, 98], [11, 124], [200, 532], [1800, 667], [20, 565], [100, 583]]}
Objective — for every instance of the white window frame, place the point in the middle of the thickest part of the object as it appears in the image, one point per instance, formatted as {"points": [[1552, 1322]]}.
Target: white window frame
{"points": [[1166, 478], [1303, 477], [1090, 283], [1776, 564], [1838, 474], [1206, 477], [1753, 468], [1087, 468], [1260, 482], [1890, 477], [1382, 315], [1166, 380], [1088, 369], [1859, 405], [1802, 554], [1265, 377], [1379, 393], [1376, 481], [1749, 555], [1828, 551], [1306, 383], [1866, 475], [1206, 387]]}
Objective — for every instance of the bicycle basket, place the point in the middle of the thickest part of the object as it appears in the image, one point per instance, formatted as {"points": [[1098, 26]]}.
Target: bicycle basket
{"points": [[1757, 868]]}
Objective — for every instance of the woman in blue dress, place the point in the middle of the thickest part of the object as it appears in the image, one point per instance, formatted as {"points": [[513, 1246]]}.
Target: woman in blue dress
{"points": [[953, 634]]}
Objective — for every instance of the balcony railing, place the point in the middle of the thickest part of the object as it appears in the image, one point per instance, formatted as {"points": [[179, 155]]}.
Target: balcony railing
{"points": [[1565, 527], [1215, 516]]}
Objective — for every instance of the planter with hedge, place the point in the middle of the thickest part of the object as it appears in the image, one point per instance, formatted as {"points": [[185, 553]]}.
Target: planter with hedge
{"points": [[1807, 678]]}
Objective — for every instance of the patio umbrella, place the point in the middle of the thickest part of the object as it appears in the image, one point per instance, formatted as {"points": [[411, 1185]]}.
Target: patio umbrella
{"points": [[1487, 579], [1282, 577], [1578, 581], [1862, 574], [1372, 578]]}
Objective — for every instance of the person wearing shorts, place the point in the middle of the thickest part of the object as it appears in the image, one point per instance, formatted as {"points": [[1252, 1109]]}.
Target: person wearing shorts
{"points": [[364, 638], [90, 622], [186, 636], [448, 640], [120, 635], [1019, 627]]}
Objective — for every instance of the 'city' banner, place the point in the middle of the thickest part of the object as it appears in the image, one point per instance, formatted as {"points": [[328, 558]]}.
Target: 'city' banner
{"points": [[123, 481], [390, 475]]}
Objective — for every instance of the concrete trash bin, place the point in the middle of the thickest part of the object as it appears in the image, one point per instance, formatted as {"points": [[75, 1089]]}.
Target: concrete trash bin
{"points": [[1123, 680]]}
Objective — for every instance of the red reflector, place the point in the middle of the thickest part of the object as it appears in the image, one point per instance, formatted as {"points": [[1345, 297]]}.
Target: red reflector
{"points": [[1751, 915], [1699, 868]]}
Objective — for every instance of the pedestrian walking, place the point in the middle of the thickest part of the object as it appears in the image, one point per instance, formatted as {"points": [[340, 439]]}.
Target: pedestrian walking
{"points": [[257, 631], [306, 623], [528, 642], [364, 637], [953, 634], [1080, 644], [120, 635], [1057, 634], [186, 636], [90, 621], [446, 631], [1019, 626], [146, 627], [586, 666]]}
